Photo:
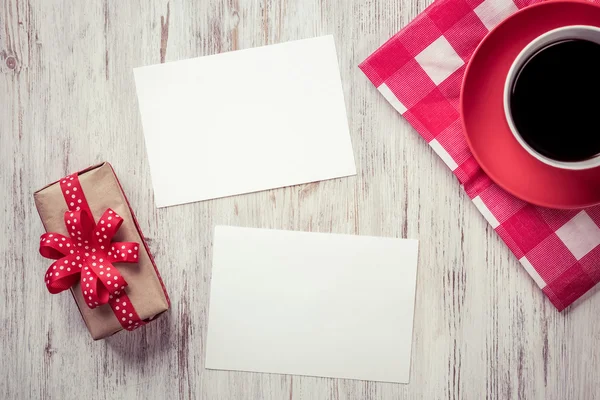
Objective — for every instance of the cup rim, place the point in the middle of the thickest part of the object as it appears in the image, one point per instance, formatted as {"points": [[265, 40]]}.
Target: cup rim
{"points": [[570, 165]]}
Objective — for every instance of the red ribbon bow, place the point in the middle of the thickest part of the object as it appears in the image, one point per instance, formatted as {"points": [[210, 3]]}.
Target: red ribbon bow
{"points": [[88, 255]]}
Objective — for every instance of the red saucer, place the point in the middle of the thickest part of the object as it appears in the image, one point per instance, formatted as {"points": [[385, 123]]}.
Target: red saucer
{"points": [[484, 122]]}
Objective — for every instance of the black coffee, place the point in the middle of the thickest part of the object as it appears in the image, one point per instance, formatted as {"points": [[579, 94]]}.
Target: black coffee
{"points": [[555, 100]]}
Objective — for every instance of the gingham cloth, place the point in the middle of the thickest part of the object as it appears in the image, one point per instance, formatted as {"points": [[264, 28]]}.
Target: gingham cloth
{"points": [[419, 71]]}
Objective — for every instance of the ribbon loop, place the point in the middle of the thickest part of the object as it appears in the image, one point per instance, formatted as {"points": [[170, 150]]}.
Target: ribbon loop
{"points": [[54, 245], [79, 224], [107, 226], [124, 252], [62, 274], [94, 292], [108, 275]]}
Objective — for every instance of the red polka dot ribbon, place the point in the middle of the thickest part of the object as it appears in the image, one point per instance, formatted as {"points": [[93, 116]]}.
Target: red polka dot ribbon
{"points": [[87, 256]]}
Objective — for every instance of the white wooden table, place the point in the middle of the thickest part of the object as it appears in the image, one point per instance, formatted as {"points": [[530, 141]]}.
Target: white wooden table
{"points": [[482, 327]]}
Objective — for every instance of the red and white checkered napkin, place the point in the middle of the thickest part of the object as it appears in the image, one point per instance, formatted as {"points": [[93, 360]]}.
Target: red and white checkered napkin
{"points": [[419, 71]]}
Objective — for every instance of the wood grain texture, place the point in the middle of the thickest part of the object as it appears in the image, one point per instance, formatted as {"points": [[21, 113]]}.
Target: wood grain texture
{"points": [[482, 327]]}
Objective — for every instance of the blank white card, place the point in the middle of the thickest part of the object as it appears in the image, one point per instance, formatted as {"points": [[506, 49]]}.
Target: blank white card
{"points": [[244, 121], [312, 304]]}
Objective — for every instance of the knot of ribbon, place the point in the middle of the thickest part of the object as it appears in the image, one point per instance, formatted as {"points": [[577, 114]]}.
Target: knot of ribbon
{"points": [[88, 254]]}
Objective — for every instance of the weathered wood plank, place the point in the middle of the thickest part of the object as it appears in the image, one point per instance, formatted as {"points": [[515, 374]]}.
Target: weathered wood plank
{"points": [[482, 328]]}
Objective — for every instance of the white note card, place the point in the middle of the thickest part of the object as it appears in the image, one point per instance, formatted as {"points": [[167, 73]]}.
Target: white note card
{"points": [[313, 304], [244, 121]]}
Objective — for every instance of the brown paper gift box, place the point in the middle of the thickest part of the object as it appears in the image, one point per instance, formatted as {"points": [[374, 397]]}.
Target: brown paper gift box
{"points": [[145, 289]]}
